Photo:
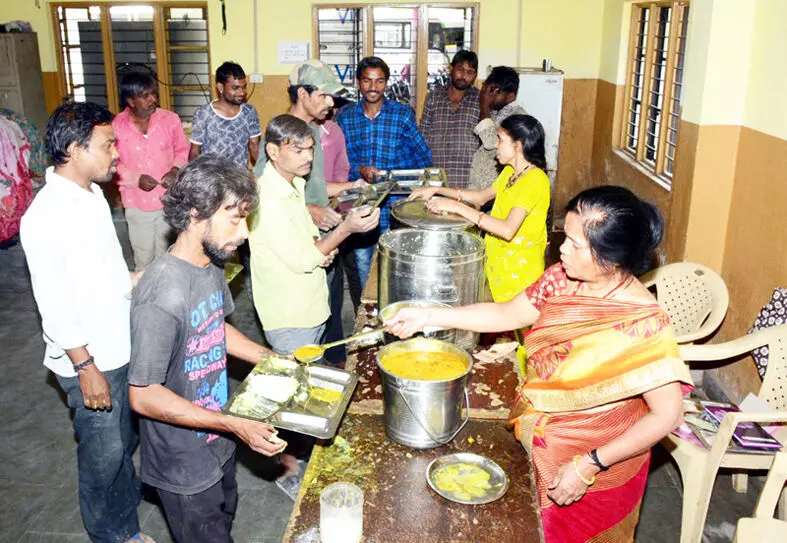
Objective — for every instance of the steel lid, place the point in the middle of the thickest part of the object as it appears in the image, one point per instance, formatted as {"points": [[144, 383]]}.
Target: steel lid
{"points": [[414, 213]]}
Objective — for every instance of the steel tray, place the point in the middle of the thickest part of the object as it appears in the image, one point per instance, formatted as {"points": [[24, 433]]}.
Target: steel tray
{"points": [[407, 179], [372, 195], [304, 414]]}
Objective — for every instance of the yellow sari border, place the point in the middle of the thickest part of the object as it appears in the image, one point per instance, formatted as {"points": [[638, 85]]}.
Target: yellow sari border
{"points": [[632, 383]]}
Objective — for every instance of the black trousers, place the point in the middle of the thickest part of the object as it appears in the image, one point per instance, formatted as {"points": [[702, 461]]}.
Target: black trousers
{"points": [[333, 328], [205, 517]]}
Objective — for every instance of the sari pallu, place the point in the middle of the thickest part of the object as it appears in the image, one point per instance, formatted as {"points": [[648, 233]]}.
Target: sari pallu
{"points": [[591, 359]]}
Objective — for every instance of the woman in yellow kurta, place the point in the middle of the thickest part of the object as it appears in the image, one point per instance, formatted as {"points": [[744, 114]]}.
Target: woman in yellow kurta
{"points": [[516, 228]]}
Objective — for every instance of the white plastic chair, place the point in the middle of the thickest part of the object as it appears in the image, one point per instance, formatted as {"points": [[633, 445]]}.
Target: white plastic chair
{"points": [[698, 467], [694, 296], [763, 528]]}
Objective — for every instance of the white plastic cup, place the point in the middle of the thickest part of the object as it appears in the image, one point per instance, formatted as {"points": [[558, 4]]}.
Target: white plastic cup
{"points": [[341, 513]]}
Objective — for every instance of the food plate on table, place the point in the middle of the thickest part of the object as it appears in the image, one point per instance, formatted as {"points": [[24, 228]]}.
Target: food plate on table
{"points": [[285, 394], [467, 478]]}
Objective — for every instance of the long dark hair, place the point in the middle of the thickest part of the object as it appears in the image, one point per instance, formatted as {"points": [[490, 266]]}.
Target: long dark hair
{"points": [[621, 229], [528, 131]]}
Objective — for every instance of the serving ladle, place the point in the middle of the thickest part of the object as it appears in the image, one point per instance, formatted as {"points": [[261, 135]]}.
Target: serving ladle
{"points": [[312, 353]]}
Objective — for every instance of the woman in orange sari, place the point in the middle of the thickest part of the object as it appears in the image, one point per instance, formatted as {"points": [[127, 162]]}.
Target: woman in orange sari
{"points": [[604, 379]]}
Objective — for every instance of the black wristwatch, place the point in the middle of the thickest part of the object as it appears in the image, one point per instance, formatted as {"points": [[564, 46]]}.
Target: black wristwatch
{"points": [[85, 364]]}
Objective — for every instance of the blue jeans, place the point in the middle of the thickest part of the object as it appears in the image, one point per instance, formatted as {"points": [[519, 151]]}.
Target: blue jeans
{"points": [[366, 243], [109, 490], [364, 251]]}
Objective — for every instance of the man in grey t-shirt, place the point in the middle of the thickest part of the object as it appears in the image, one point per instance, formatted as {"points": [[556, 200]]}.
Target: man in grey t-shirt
{"points": [[228, 126], [180, 343]]}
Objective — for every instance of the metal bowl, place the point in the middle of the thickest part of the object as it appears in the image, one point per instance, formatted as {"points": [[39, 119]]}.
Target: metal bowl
{"points": [[433, 332], [497, 477]]}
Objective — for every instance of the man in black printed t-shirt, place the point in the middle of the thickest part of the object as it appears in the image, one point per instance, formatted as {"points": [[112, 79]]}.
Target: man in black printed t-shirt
{"points": [[179, 347]]}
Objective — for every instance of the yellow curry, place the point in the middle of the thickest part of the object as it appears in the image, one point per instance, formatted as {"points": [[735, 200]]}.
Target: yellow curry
{"points": [[425, 365], [307, 352], [464, 481]]}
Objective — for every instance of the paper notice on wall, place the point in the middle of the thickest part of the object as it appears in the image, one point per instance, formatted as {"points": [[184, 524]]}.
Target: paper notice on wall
{"points": [[293, 52]]}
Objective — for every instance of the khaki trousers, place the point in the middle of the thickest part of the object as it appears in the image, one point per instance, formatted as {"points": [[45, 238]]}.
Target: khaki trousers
{"points": [[149, 235]]}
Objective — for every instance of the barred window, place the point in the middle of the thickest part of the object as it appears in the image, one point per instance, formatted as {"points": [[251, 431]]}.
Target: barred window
{"points": [[413, 39], [98, 44], [654, 84]]}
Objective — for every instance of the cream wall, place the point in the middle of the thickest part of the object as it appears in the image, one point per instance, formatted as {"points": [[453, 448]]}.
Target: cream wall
{"points": [[616, 17], [720, 38], [566, 31], [766, 107]]}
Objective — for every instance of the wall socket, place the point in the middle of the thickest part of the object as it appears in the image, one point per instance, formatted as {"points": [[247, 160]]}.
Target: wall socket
{"points": [[255, 78]]}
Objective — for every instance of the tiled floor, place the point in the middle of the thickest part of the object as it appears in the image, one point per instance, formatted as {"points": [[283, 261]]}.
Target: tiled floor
{"points": [[38, 466]]}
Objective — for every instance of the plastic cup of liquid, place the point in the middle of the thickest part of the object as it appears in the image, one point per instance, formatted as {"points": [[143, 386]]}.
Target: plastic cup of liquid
{"points": [[341, 513]]}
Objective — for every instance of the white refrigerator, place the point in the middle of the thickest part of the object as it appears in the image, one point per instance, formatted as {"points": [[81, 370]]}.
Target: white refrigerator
{"points": [[541, 94]]}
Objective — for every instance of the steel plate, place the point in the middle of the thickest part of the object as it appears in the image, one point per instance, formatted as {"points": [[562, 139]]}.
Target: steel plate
{"points": [[302, 413], [497, 477], [414, 213]]}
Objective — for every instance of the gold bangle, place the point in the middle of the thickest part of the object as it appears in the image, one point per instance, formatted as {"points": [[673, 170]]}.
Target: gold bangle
{"points": [[588, 482], [459, 195], [480, 216]]}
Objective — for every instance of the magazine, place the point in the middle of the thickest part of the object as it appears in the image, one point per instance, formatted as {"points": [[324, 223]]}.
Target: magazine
{"points": [[749, 435]]}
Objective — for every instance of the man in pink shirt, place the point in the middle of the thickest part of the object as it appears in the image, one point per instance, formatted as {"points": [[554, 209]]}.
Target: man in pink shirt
{"points": [[334, 149], [152, 147]]}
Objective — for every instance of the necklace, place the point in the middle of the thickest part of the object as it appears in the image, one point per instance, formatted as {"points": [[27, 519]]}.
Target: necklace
{"points": [[514, 178], [620, 286]]}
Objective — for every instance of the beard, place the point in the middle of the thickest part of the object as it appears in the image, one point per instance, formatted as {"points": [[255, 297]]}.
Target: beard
{"points": [[460, 84], [218, 256], [235, 101]]}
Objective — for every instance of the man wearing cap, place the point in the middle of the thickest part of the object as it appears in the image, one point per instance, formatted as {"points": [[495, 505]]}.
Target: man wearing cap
{"points": [[312, 87]]}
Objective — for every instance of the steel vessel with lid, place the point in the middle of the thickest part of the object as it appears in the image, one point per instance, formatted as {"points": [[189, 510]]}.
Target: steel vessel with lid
{"points": [[436, 265]]}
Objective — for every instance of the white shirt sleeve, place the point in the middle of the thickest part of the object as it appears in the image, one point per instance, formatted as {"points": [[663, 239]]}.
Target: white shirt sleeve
{"points": [[52, 289]]}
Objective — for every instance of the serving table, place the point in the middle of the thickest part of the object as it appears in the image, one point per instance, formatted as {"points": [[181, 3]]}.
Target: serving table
{"points": [[399, 505]]}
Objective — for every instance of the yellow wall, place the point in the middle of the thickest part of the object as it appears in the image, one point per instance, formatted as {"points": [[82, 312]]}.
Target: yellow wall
{"points": [[566, 31], [718, 60], [766, 107]]}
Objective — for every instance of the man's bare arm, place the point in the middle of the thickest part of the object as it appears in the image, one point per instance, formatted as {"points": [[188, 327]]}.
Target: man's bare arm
{"points": [[160, 403]]}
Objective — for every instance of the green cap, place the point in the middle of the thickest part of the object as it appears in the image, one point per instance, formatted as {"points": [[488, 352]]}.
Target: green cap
{"points": [[318, 74]]}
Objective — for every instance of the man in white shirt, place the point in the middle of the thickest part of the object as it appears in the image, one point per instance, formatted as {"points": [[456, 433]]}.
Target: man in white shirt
{"points": [[83, 290]]}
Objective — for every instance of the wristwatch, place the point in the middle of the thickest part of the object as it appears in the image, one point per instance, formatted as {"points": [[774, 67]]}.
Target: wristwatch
{"points": [[85, 364]]}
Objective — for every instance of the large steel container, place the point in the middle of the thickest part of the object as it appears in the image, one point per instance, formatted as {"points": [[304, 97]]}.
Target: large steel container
{"points": [[436, 265], [423, 414]]}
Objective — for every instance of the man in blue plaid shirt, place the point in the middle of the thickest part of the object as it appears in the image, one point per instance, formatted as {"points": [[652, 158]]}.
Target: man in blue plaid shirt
{"points": [[381, 135]]}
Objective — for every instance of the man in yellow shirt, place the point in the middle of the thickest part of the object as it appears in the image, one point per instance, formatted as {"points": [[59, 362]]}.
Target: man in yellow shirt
{"points": [[287, 255]]}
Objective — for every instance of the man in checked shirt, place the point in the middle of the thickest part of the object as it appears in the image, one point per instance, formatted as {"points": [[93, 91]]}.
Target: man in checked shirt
{"points": [[381, 135], [450, 115]]}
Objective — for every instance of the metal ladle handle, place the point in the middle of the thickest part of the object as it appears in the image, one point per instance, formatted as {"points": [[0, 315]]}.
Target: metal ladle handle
{"points": [[356, 337]]}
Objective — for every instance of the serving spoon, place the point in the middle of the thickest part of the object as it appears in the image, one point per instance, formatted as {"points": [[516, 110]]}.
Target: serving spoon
{"points": [[312, 353]]}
